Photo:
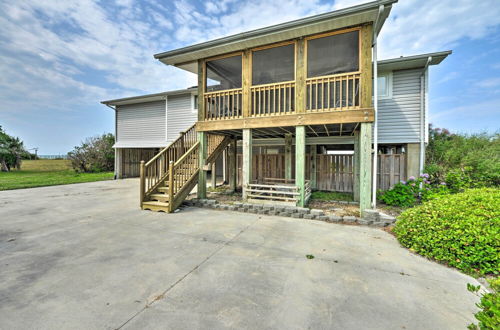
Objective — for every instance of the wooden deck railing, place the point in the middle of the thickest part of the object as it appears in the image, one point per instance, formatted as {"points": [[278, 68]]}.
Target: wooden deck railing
{"points": [[181, 172], [156, 169], [278, 191], [272, 99], [335, 92], [226, 104]]}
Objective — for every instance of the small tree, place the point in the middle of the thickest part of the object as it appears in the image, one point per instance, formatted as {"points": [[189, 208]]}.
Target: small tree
{"points": [[95, 154], [11, 151]]}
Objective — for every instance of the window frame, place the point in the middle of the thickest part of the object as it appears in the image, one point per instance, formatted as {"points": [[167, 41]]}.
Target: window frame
{"points": [[219, 57], [388, 85], [329, 34], [275, 45]]}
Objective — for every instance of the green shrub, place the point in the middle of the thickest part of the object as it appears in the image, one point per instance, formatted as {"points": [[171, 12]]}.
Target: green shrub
{"points": [[461, 230], [95, 154], [399, 195], [463, 160], [489, 315]]}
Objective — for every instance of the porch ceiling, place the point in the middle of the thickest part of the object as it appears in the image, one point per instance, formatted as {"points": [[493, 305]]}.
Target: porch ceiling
{"points": [[328, 130]]}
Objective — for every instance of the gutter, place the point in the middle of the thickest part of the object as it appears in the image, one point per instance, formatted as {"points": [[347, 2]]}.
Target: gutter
{"points": [[375, 108], [422, 115]]}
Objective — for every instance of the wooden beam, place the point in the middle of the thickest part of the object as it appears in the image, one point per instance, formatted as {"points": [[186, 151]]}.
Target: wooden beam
{"points": [[326, 129], [300, 163], [288, 156], [366, 36], [312, 129], [246, 82], [213, 175], [232, 165], [300, 77], [365, 167], [355, 185], [201, 90], [318, 118], [202, 158], [247, 161]]}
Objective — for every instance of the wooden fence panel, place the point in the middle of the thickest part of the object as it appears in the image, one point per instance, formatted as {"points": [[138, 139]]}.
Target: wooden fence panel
{"points": [[131, 160], [333, 172]]}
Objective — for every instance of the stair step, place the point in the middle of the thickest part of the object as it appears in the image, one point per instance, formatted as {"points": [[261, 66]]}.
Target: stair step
{"points": [[155, 206], [159, 197]]}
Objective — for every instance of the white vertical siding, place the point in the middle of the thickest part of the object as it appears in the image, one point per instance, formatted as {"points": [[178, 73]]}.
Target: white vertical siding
{"points": [[399, 116], [180, 115], [141, 123]]}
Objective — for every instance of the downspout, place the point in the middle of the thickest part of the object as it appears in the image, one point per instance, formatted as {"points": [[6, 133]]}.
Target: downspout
{"points": [[375, 108], [422, 116]]}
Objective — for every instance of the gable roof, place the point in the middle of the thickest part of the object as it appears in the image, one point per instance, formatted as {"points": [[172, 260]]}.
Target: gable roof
{"points": [[186, 57]]}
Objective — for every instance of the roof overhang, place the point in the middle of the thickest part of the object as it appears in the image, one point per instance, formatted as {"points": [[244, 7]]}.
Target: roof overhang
{"points": [[140, 144], [147, 97], [186, 58], [412, 62]]}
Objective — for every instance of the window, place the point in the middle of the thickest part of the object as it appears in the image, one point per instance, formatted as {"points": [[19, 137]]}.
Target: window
{"points": [[273, 65], [195, 103], [384, 85], [334, 54], [224, 73]]}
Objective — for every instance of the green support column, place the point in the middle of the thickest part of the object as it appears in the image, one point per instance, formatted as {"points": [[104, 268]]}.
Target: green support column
{"points": [[314, 150], [213, 175], [247, 160], [300, 162], [355, 185], [232, 165], [288, 156], [365, 167], [202, 158]]}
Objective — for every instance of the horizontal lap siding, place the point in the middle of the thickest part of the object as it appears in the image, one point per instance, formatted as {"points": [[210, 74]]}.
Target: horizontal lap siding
{"points": [[180, 115], [142, 122], [399, 117]]}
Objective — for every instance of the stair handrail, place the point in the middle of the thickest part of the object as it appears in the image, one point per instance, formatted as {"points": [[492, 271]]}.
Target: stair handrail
{"points": [[156, 170]]}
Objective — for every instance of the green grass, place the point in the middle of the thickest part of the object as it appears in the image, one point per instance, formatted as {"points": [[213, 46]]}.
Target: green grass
{"points": [[47, 172], [331, 196]]}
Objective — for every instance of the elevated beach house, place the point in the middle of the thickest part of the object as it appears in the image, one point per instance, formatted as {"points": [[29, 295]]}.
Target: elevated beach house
{"points": [[283, 110]]}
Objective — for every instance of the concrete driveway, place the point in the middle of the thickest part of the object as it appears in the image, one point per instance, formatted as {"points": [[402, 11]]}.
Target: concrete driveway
{"points": [[84, 256]]}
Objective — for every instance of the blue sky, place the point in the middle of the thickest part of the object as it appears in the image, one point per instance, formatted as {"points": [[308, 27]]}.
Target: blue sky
{"points": [[58, 60]]}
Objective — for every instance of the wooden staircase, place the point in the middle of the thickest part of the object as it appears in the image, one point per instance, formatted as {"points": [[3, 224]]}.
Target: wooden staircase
{"points": [[167, 179]]}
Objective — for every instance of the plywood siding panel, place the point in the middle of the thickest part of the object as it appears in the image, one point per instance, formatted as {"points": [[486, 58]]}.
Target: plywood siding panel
{"points": [[142, 122], [399, 117], [180, 115]]}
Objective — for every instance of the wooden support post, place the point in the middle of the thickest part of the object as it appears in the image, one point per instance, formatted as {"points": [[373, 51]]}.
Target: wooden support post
{"points": [[355, 183], [171, 186], [288, 156], [233, 171], [300, 77], [142, 182], [118, 163], [314, 158], [213, 175], [366, 36], [247, 160], [201, 90], [300, 162], [202, 159], [246, 82], [365, 167]]}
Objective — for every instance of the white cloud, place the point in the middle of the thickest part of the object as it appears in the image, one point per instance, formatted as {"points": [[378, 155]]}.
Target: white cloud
{"points": [[489, 83]]}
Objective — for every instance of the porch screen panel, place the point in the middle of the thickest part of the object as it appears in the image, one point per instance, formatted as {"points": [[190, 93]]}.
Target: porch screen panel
{"points": [[273, 81], [224, 73], [334, 54], [273, 65]]}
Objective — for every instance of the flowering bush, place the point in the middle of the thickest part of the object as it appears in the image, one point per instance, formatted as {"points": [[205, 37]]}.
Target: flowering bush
{"points": [[409, 193]]}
